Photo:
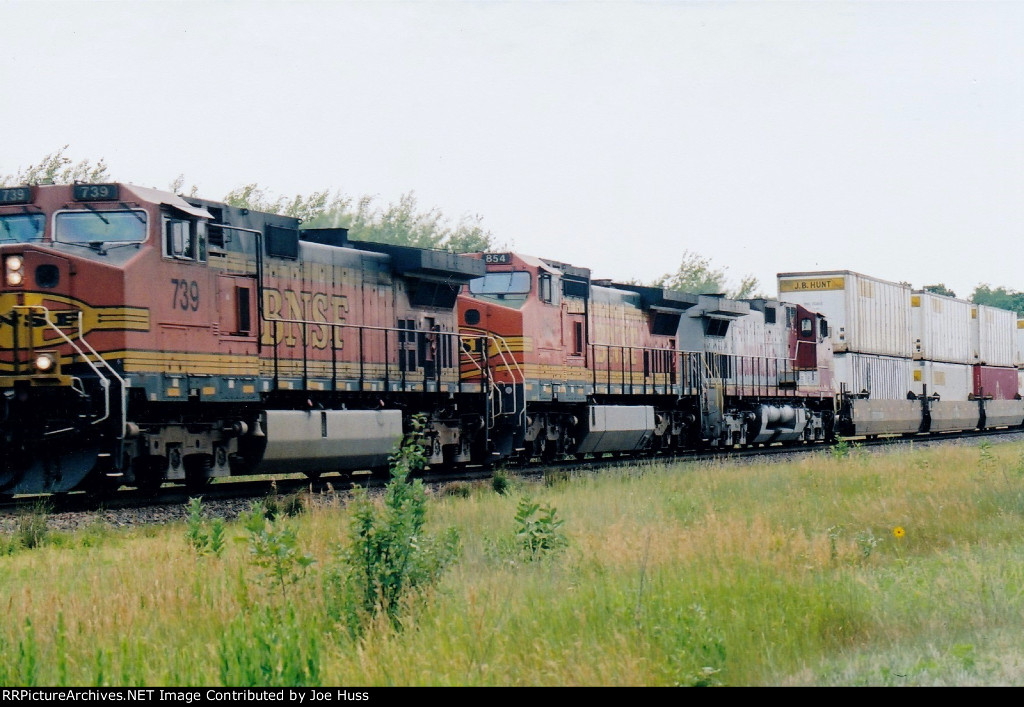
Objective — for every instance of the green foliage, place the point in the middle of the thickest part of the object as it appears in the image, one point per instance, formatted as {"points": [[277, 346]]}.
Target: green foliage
{"points": [[388, 554], [56, 168], [939, 289], [696, 275], [867, 542], [500, 481], [834, 533], [269, 648], [205, 538], [459, 489], [538, 529], [1000, 297], [402, 222], [844, 449], [986, 458], [291, 505], [274, 548], [32, 530], [695, 649]]}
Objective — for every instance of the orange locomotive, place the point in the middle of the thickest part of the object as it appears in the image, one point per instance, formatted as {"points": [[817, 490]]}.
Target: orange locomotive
{"points": [[148, 338], [588, 366]]}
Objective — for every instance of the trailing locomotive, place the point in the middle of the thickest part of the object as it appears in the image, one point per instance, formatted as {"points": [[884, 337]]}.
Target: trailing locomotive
{"points": [[148, 338]]}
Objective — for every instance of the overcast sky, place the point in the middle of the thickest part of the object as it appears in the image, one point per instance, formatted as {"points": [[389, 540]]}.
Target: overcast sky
{"points": [[881, 137]]}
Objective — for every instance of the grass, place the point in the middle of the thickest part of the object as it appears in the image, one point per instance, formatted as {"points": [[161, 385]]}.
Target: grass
{"points": [[702, 574]]}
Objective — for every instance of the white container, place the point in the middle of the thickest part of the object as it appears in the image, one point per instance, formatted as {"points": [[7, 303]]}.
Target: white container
{"points": [[994, 336], [1020, 344], [881, 377], [950, 381], [865, 314], [941, 328]]}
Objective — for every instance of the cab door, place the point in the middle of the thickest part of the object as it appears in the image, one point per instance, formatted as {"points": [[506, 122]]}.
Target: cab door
{"points": [[806, 339], [236, 306]]}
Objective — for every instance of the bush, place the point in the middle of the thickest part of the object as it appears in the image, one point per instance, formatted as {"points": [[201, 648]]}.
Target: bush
{"points": [[204, 540], [388, 554], [538, 534]]}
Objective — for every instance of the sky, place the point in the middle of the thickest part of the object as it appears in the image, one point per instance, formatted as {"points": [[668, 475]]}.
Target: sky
{"points": [[881, 137]]}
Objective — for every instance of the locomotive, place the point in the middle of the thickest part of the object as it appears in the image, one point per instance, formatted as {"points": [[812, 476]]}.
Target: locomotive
{"points": [[147, 337]]}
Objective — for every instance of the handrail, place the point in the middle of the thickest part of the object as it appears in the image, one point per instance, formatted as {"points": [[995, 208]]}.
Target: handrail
{"points": [[104, 381]]}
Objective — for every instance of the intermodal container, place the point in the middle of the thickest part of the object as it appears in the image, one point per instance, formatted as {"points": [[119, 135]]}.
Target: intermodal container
{"points": [[950, 381], [866, 315], [879, 377], [941, 328], [996, 382], [1020, 344], [993, 335]]}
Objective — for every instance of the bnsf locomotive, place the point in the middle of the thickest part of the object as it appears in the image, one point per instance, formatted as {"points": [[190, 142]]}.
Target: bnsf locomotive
{"points": [[146, 337]]}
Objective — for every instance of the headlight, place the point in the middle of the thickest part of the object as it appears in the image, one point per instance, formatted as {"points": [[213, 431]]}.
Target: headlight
{"points": [[46, 362], [13, 266]]}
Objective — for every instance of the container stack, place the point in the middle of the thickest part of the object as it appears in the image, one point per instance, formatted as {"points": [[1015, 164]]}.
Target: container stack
{"points": [[892, 343], [870, 324], [994, 340], [943, 355]]}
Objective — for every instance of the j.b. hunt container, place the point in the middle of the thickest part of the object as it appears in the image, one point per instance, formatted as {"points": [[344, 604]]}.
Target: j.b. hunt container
{"points": [[866, 315]]}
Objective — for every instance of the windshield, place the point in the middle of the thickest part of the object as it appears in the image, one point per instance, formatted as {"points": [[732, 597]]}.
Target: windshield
{"points": [[101, 227], [501, 283], [22, 228]]}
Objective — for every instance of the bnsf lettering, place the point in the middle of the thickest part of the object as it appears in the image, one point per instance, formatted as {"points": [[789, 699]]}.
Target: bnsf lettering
{"points": [[322, 309], [62, 319]]}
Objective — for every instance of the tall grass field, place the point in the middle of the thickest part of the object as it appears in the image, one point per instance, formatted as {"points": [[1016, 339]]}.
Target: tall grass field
{"points": [[845, 568]]}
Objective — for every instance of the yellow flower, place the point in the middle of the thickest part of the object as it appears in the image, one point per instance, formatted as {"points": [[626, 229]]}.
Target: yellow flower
{"points": [[898, 531]]}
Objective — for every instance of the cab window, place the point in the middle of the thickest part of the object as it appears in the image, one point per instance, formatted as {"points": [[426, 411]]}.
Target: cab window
{"points": [[184, 239]]}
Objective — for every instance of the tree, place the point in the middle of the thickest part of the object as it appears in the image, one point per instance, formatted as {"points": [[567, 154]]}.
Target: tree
{"points": [[696, 275], [939, 289], [56, 168], [401, 222], [999, 297]]}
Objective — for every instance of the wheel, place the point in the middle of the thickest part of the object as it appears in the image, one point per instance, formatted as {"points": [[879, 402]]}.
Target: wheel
{"points": [[197, 471]]}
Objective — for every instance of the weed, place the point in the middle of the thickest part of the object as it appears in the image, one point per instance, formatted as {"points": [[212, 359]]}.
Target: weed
{"points": [[987, 460], [538, 535], [500, 481], [460, 489], [388, 554], [844, 450], [274, 548], [867, 542], [32, 531], [289, 506], [204, 540], [834, 533], [269, 647]]}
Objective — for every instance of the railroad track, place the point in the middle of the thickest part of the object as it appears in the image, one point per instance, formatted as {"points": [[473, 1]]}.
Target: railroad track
{"points": [[245, 491]]}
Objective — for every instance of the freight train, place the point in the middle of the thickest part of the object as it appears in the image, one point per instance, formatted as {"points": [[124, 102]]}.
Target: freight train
{"points": [[147, 337]]}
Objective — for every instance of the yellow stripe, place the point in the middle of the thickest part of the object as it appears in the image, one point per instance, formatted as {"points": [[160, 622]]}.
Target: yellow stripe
{"points": [[812, 283]]}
